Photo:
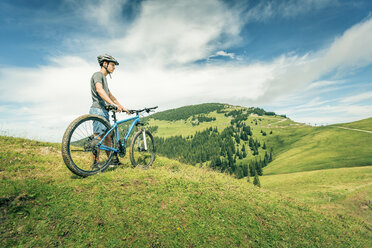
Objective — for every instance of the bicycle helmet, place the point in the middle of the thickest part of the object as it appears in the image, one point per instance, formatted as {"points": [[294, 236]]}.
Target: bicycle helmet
{"points": [[108, 58]]}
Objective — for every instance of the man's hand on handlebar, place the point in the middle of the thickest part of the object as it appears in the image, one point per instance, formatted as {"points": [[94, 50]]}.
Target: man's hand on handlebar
{"points": [[117, 108], [120, 108]]}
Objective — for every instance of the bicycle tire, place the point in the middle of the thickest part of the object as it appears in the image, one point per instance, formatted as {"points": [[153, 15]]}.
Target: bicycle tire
{"points": [[79, 165], [138, 155]]}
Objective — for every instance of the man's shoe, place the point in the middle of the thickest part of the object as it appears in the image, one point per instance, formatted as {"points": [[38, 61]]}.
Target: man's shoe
{"points": [[115, 161]]}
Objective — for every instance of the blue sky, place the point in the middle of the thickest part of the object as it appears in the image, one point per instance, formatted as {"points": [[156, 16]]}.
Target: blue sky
{"points": [[308, 59]]}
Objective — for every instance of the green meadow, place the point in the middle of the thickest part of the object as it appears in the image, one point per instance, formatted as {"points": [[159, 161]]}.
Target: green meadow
{"points": [[170, 205], [185, 127], [317, 192], [365, 124], [338, 191], [315, 148]]}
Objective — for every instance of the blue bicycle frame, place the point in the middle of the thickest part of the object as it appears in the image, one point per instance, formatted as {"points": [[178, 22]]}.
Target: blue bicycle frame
{"points": [[115, 126]]}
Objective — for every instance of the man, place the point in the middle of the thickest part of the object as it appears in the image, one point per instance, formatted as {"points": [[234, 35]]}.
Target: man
{"points": [[101, 97]]}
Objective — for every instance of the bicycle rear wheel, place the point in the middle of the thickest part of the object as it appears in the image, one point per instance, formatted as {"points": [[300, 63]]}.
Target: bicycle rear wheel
{"points": [[80, 150], [142, 149]]}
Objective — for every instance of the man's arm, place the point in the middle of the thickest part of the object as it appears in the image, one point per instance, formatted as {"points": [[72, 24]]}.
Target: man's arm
{"points": [[102, 93], [110, 99], [120, 107]]}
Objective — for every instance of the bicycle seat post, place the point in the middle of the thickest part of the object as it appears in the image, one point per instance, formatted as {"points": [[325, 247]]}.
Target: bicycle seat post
{"points": [[114, 116]]}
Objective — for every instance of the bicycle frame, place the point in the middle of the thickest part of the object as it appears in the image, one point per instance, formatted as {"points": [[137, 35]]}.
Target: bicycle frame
{"points": [[125, 138]]}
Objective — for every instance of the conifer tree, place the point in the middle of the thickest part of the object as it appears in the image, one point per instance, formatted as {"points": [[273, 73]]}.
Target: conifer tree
{"points": [[212, 164], [258, 165], [248, 174], [245, 170], [240, 155], [256, 180], [244, 154], [271, 156], [266, 160], [239, 173], [252, 168]]}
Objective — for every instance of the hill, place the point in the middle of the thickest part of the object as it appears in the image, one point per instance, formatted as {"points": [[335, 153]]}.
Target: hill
{"points": [[365, 124], [340, 191], [232, 136], [42, 204], [294, 147], [315, 148], [318, 165]]}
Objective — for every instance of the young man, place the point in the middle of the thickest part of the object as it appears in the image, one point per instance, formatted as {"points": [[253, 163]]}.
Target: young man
{"points": [[101, 97]]}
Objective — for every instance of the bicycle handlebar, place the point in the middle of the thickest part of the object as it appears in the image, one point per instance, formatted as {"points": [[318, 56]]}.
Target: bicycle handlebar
{"points": [[148, 110], [132, 111]]}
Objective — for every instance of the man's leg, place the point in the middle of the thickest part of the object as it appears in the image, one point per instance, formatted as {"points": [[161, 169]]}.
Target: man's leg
{"points": [[107, 142]]}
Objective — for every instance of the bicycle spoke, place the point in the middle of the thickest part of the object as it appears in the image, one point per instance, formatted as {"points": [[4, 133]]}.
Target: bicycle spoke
{"points": [[142, 149], [83, 149]]}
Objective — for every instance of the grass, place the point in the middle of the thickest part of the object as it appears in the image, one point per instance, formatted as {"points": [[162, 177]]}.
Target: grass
{"points": [[185, 128], [365, 124], [309, 148], [340, 191], [170, 205]]}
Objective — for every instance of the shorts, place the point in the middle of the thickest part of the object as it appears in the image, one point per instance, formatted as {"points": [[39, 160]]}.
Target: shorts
{"points": [[98, 127]]}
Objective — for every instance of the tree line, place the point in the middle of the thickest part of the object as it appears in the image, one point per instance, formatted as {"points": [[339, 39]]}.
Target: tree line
{"points": [[221, 151]]}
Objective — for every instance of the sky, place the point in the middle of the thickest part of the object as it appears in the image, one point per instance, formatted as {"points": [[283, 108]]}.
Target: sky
{"points": [[308, 59]]}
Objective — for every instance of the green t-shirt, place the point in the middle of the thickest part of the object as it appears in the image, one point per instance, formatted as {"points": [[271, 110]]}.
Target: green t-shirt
{"points": [[98, 77]]}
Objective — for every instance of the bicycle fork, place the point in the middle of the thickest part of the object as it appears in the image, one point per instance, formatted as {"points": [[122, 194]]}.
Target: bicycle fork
{"points": [[144, 141]]}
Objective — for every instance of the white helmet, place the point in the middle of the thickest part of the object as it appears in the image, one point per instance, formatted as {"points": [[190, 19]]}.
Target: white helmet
{"points": [[108, 58]]}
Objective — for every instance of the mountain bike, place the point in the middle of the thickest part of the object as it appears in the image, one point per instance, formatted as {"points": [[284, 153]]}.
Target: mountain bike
{"points": [[90, 143]]}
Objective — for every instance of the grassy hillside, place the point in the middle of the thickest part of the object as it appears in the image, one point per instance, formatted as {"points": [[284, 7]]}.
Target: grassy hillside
{"points": [[170, 205], [305, 149], [342, 190], [170, 123], [365, 124], [296, 147], [185, 127]]}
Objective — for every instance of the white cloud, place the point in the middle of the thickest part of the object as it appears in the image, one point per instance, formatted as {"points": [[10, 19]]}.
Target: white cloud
{"points": [[223, 54], [178, 32], [156, 54], [327, 113], [266, 10], [107, 14], [350, 51], [358, 98], [322, 84]]}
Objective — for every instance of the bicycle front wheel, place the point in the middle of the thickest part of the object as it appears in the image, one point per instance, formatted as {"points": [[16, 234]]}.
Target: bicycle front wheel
{"points": [[81, 149], [142, 149]]}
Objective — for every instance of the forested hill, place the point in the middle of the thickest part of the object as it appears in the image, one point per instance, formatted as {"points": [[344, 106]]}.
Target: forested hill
{"points": [[241, 141], [224, 137], [183, 113]]}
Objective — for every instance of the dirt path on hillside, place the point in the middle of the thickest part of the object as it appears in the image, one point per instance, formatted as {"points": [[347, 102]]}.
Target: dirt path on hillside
{"points": [[292, 125], [359, 130], [278, 122]]}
